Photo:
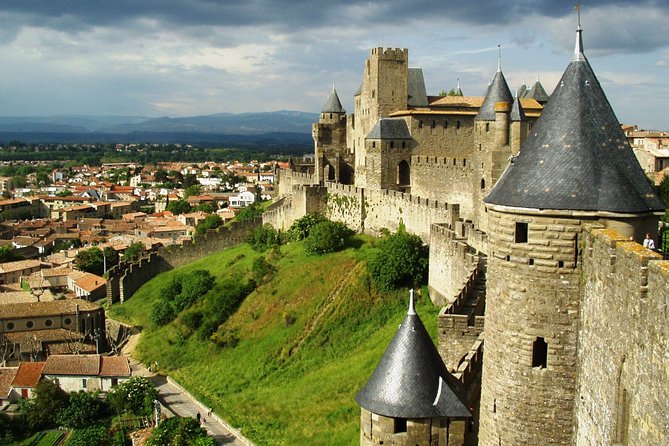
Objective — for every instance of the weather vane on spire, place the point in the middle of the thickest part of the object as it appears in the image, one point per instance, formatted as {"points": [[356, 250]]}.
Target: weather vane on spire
{"points": [[577, 8]]}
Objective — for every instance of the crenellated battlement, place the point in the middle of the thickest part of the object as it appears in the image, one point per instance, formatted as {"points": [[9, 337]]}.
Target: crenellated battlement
{"points": [[391, 52]]}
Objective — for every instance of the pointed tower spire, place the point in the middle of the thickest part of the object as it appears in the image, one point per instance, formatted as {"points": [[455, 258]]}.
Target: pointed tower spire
{"points": [[578, 48], [411, 311]]}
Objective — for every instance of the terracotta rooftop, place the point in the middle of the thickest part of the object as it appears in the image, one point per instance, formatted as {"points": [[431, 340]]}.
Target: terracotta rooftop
{"points": [[28, 375], [114, 366], [51, 335], [85, 365], [18, 266], [7, 375], [90, 282]]}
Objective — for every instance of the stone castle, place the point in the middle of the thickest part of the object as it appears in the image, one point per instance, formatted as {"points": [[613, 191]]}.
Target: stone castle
{"points": [[554, 328]]}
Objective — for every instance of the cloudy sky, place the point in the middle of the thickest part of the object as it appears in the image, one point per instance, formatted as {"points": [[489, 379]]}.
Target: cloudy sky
{"points": [[195, 57]]}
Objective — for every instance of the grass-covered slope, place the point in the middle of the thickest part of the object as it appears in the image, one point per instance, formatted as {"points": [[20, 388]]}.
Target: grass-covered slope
{"points": [[309, 339]]}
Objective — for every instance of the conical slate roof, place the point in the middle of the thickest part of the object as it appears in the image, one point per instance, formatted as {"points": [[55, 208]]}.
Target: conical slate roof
{"points": [[333, 105], [517, 112], [411, 380], [576, 156], [521, 91], [498, 91], [390, 128], [537, 93]]}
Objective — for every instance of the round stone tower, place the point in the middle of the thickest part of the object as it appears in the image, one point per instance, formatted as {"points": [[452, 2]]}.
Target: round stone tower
{"points": [[411, 398], [574, 169], [333, 162]]}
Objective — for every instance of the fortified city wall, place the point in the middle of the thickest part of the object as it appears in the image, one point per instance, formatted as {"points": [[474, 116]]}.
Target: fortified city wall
{"points": [[623, 355]]}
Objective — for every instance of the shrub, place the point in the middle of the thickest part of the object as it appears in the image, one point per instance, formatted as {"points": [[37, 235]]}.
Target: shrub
{"points": [[300, 228], [327, 236], [249, 212], [210, 222], [134, 396], [263, 237], [179, 431], [262, 271], [83, 409], [91, 435], [402, 260], [43, 410], [162, 313], [192, 319]]}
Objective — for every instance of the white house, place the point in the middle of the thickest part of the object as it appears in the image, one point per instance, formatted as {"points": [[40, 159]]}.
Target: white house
{"points": [[86, 372]]}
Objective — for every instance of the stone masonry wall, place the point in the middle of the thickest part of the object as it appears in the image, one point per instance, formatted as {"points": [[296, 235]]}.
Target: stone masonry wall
{"points": [[624, 344], [287, 178], [533, 292], [452, 262]]}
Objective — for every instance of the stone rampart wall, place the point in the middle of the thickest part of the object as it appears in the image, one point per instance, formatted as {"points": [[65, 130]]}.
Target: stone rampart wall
{"points": [[287, 178], [345, 204], [623, 347], [452, 263], [447, 179]]}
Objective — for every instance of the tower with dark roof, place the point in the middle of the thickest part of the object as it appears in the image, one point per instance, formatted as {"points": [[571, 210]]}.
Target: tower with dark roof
{"points": [[491, 141], [388, 147], [333, 161], [411, 398], [537, 92], [575, 170]]}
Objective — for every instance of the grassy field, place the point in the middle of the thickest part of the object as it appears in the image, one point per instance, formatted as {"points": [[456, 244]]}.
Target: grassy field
{"points": [[309, 339]]}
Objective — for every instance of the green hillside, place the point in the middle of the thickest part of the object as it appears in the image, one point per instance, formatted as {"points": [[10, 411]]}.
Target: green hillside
{"points": [[308, 340]]}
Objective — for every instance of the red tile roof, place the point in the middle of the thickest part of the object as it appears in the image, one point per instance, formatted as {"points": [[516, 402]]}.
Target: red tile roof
{"points": [[86, 365], [7, 375], [114, 366], [28, 375]]}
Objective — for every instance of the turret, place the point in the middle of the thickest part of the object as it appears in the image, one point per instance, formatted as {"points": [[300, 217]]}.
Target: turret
{"points": [[575, 169], [411, 398], [329, 135], [519, 125]]}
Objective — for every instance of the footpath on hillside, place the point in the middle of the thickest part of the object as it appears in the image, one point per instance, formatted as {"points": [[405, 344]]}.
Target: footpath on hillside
{"points": [[179, 402]]}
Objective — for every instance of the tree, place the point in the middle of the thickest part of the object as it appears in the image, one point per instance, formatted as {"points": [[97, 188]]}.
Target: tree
{"points": [[160, 176], [7, 254], [210, 222], [111, 256], [83, 409], [133, 252], [180, 431], [134, 396], [263, 237], [300, 228], [90, 260], [249, 212], [178, 207], [43, 409], [664, 189], [327, 236], [64, 193], [190, 180], [205, 207], [402, 260], [192, 190]]}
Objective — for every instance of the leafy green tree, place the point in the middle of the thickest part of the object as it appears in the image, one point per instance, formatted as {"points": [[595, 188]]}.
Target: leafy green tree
{"points": [[162, 312], [193, 286], [190, 180], [178, 207], [133, 252], [192, 190], [262, 271], [402, 260], [327, 236], [7, 254], [300, 228], [160, 176], [210, 222], [134, 396], [664, 189], [9, 429], [249, 212], [221, 302], [180, 431], [42, 411], [264, 237], [83, 409], [90, 260], [111, 255], [64, 193], [205, 207]]}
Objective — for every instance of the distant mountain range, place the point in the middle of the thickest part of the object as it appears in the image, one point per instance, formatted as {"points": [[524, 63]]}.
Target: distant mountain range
{"points": [[280, 127]]}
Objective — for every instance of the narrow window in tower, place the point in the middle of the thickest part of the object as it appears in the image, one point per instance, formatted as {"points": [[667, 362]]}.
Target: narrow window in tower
{"points": [[521, 232], [464, 161], [487, 127], [482, 183], [373, 94], [420, 124], [400, 425], [576, 250], [539, 353], [392, 144], [373, 144], [404, 144], [434, 123], [457, 125], [445, 124], [529, 126]]}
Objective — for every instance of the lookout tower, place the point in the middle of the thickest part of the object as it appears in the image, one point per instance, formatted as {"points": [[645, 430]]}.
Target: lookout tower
{"points": [[575, 169], [411, 398], [333, 161]]}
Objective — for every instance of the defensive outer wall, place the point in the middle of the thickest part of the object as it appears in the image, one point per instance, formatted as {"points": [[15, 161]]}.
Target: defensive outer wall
{"points": [[126, 278], [623, 378]]}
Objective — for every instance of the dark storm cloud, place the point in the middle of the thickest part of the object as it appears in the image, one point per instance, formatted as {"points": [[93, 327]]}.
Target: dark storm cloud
{"points": [[292, 14]]}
